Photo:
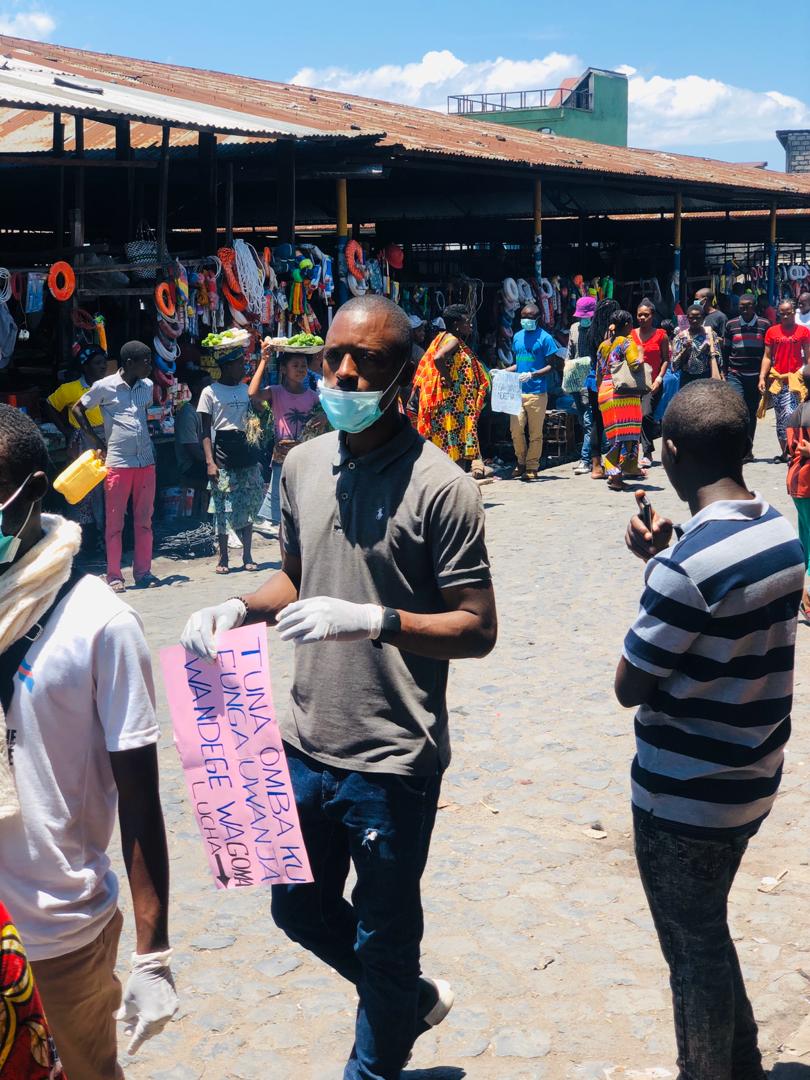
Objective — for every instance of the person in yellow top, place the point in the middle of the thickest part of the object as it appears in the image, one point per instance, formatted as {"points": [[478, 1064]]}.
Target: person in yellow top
{"points": [[93, 363], [58, 409]]}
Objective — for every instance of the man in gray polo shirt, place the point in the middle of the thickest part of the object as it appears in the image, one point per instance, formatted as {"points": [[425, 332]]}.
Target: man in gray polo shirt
{"points": [[385, 578]]}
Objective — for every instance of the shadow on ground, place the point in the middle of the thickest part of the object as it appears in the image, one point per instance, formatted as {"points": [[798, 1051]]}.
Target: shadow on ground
{"points": [[790, 1070], [443, 1072]]}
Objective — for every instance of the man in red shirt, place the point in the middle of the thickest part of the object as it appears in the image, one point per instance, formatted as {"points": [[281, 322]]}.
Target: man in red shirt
{"points": [[787, 350]]}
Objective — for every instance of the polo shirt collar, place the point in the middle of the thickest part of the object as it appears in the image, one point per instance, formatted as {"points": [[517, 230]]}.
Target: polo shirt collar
{"points": [[383, 456], [727, 510]]}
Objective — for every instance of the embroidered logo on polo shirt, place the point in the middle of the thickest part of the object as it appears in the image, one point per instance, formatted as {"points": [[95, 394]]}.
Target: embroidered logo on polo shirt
{"points": [[25, 676], [380, 513]]}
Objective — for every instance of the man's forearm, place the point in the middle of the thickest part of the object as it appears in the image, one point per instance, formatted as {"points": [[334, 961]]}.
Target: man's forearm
{"points": [[265, 604], [208, 450], [80, 416], [146, 858], [446, 635]]}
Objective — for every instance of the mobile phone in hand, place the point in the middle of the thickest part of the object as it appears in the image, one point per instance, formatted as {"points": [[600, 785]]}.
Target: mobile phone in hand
{"points": [[645, 512]]}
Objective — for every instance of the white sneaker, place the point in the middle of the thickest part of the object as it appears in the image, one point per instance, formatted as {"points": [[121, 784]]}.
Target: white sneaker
{"points": [[581, 469], [266, 529], [233, 540]]}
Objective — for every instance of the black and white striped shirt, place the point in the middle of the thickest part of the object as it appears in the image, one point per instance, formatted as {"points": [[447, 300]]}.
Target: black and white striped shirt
{"points": [[717, 626]]}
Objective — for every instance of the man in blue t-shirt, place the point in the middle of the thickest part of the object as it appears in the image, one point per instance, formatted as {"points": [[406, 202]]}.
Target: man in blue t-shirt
{"points": [[531, 347]]}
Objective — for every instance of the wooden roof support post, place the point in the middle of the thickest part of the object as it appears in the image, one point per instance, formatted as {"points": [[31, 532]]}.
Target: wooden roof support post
{"points": [[78, 176], [163, 194], [207, 158], [123, 152], [229, 204], [772, 256], [342, 196], [58, 151], [676, 260], [538, 230], [285, 190]]}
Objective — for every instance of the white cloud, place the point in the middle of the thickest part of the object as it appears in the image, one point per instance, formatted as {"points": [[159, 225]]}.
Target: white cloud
{"points": [[694, 110], [27, 24], [427, 82], [673, 113]]}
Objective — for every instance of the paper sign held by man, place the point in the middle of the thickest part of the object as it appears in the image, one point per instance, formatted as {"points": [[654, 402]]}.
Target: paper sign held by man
{"points": [[236, 772]]}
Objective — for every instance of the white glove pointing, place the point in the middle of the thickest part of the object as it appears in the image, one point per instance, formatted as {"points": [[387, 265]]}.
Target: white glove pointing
{"points": [[322, 618], [199, 634], [150, 999]]}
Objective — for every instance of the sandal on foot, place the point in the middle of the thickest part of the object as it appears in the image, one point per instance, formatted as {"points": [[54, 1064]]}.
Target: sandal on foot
{"points": [[220, 569], [117, 585], [251, 567]]}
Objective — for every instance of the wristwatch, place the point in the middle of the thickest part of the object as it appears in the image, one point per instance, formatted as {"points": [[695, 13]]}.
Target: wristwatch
{"points": [[391, 626]]}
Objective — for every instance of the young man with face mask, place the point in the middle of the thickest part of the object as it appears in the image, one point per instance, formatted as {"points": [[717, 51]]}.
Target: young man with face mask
{"points": [[78, 737], [532, 348], [385, 578]]}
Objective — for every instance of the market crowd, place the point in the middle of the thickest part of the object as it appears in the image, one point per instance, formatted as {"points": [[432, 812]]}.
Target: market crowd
{"points": [[376, 443]]}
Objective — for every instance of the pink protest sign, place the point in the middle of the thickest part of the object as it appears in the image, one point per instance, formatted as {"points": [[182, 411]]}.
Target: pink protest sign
{"points": [[236, 771]]}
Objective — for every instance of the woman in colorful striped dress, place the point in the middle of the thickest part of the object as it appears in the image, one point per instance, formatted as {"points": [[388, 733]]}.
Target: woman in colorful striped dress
{"points": [[621, 413]]}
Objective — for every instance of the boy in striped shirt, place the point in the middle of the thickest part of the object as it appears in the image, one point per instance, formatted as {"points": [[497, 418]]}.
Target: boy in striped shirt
{"points": [[709, 660]]}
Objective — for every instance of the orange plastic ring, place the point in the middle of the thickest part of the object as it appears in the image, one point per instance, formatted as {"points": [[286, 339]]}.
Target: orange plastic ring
{"points": [[163, 300], [61, 281], [238, 303]]}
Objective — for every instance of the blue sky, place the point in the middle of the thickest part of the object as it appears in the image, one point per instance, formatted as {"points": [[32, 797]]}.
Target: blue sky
{"points": [[716, 81]]}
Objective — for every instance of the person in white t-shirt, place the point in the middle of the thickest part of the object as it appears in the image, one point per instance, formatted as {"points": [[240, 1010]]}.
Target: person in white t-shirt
{"points": [[232, 461], [803, 310], [78, 733]]}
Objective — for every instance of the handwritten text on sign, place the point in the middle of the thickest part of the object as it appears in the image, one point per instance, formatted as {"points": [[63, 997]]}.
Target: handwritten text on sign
{"points": [[229, 743], [506, 393]]}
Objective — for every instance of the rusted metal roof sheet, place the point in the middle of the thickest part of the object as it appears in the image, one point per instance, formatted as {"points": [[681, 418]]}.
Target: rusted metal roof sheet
{"points": [[28, 85], [413, 131]]}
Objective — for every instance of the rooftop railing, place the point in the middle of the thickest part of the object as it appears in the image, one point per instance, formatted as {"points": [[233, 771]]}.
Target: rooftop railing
{"points": [[502, 101]]}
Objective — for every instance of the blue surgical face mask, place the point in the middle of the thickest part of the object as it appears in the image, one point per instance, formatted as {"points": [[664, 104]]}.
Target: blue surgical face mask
{"points": [[584, 323], [10, 545], [528, 324], [353, 411]]}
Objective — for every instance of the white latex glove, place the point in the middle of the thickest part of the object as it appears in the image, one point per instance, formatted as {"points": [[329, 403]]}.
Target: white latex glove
{"points": [[199, 634], [322, 618], [524, 377], [150, 999]]}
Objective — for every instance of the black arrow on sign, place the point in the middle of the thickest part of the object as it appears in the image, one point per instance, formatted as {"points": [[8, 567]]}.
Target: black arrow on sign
{"points": [[222, 876]]}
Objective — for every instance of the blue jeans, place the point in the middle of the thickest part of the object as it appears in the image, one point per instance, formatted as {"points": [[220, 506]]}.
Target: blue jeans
{"points": [[382, 824], [747, 386], [271, 507], [687, 882]]}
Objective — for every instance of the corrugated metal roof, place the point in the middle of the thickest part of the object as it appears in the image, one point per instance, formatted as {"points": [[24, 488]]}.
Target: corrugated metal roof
{"points": [[27, 85], [415, 131]]}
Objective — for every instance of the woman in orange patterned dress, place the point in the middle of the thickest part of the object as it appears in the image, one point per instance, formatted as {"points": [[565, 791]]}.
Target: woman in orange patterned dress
{"points": [[26, 1048], [449, 391]]}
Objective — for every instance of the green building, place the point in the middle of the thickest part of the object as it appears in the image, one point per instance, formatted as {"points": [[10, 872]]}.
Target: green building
{"points": [[592, 107]]}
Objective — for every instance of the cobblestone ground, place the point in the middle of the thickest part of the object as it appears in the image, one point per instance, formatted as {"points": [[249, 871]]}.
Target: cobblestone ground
{"points": [[533, 905]]}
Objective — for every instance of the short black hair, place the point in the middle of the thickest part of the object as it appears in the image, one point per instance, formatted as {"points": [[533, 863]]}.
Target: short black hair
{"points": [[695, 307], [134, 351], [621, 318], [708, 421], [394, 314], [748, 297], [455, 314], [22, 448]]}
